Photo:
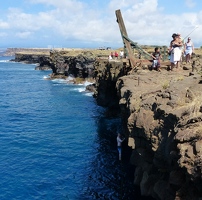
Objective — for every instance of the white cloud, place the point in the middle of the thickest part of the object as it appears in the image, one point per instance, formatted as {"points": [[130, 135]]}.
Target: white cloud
{"points": [[4, 25], [146, 24], [23, 35], [190, 3], [21, 21], [62, 20]]}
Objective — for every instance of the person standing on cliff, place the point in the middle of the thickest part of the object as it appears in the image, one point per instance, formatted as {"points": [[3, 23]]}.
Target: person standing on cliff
{"points": [[175, 51], [189, 49], [121, 54], [112, 55], [116, 55], [119, 143]]}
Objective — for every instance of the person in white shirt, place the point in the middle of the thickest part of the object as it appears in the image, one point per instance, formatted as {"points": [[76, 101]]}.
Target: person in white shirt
{"points": [[189, 49], [121, 54], [119, 142], [175, 51]]}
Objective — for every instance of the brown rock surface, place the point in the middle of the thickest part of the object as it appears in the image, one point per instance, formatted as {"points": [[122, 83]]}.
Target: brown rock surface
{"points": [[162, 119]]}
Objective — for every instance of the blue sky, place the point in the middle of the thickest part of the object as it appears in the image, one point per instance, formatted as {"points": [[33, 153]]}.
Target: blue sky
{"points": [[92, 23]]}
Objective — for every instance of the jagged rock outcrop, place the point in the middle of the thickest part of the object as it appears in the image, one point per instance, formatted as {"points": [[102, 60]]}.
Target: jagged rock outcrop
{"points": [[63, 63], [41, 59], [162, 119], [77, 63], [78, 66]]}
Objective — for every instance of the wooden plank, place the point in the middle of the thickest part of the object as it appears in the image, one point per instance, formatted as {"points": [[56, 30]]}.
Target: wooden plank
{"points": [[148, 62], [126, 42]]}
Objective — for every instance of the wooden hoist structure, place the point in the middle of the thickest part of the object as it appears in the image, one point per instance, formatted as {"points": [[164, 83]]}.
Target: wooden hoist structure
{"points": [[129, 46]]}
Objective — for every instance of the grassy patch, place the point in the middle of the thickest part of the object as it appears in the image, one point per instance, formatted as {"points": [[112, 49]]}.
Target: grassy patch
{"points": [[180, 78], [166, 85]]}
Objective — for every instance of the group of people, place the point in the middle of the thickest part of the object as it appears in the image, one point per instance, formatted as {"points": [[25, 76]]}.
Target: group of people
{"points": [[176, 50], [113, 55], [116, 55]]}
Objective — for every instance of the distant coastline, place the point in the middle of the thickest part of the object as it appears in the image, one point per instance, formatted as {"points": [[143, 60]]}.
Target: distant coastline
{"points": [[11, 51]]}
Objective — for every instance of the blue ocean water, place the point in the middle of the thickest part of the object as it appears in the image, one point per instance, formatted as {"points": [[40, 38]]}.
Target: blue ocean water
{"points": [[55, 141]]}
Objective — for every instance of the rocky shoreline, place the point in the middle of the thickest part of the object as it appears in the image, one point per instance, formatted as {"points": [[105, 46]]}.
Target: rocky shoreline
{"points": [[78, 63], [161, 114]]}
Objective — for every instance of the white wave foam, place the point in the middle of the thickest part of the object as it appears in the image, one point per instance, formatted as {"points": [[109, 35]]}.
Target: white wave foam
{"points": [[80, 89], [70, 78], [55, 80], [46, 77], [59, 80], [87, 83], [83, 90], [3, 61], [89, 94]]}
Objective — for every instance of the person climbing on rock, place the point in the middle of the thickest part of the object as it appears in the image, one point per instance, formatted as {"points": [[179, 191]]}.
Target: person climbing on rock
{"points": [[119, 143]]}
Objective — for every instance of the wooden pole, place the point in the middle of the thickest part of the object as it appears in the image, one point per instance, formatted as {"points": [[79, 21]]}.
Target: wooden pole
{"points": [[125, 41]]}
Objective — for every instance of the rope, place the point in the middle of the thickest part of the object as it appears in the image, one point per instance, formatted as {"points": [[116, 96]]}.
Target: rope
{"points": [[135, 44]]}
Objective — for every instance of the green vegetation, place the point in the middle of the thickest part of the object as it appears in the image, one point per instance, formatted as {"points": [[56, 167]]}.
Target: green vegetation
{"points": [[165, 85]]}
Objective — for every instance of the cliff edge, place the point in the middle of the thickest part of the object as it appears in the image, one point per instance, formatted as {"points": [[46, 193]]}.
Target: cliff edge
{"points": [[162, 119]]}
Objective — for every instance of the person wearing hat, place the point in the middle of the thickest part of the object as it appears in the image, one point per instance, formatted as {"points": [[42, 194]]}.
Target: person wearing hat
{"points": [[189, 49], [175, 51], [182, 40]]}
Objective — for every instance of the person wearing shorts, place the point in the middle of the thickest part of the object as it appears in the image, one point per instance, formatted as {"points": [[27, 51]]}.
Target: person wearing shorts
{"points": [[156, 59], [119, 143], [189, 48]]}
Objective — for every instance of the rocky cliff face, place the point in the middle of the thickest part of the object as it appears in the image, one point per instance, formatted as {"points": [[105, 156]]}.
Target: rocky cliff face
{"points": [[79, 65], [162, 119], [62, 62], [42, 59]]}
